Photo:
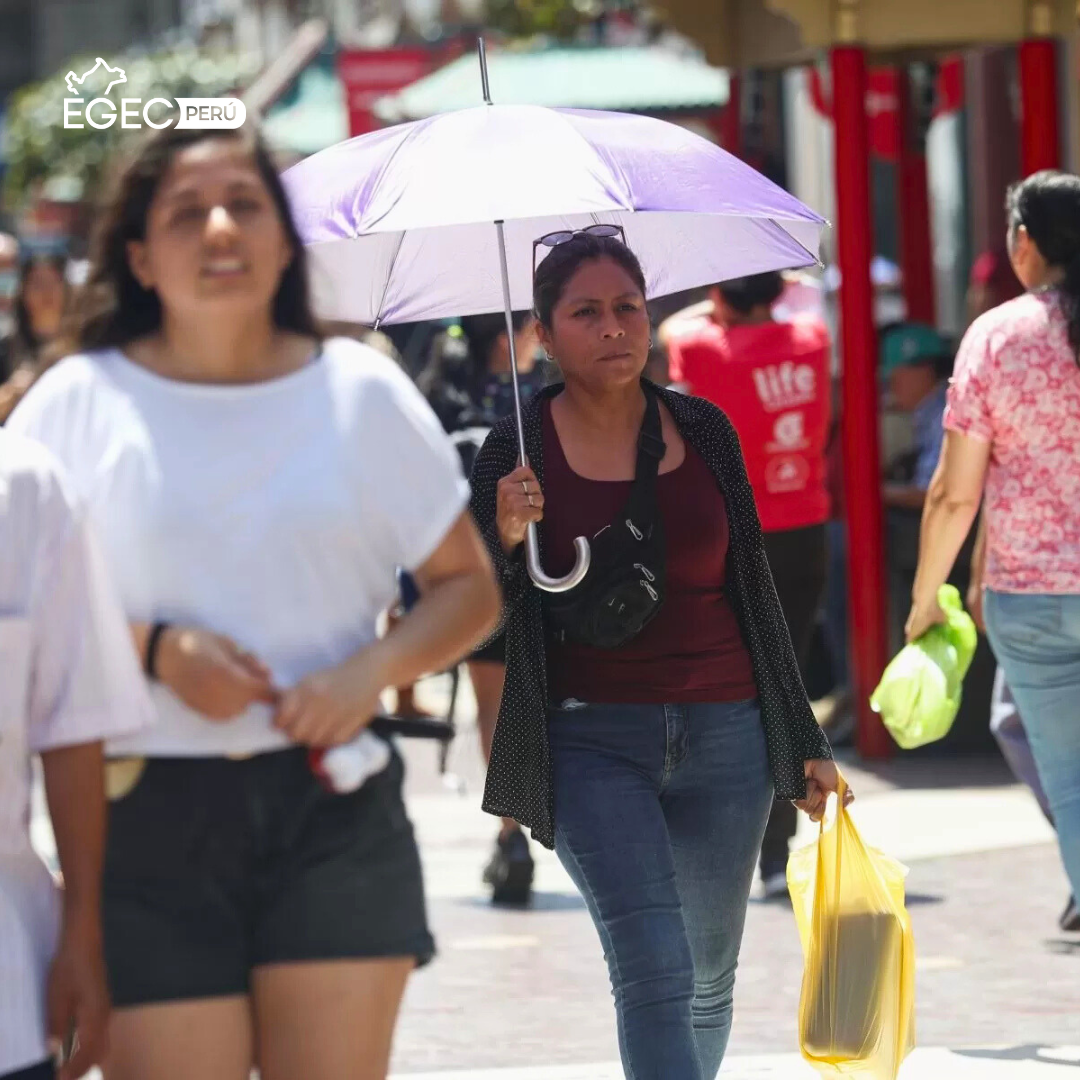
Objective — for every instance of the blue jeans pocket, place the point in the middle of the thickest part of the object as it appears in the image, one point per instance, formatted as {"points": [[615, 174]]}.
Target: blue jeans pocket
{"points": [[1022, 618]]}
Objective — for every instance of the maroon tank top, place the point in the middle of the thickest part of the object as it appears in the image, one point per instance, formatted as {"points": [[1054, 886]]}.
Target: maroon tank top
{"points": [[693, 650]]}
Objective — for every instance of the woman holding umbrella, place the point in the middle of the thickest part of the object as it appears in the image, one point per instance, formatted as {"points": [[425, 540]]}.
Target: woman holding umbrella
{"points": [[256, 486], [650, 766]]}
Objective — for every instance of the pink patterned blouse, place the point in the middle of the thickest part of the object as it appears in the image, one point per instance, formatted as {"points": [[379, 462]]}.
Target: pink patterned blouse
{"points": [[1017, 386]]}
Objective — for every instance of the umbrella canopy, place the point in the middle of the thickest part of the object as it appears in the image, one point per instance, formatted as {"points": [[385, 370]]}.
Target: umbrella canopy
{"points": [[400, 222]]}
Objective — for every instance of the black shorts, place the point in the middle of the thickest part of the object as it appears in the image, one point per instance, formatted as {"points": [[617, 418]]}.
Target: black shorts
{"points": [[44, 1071], [214, 867]]}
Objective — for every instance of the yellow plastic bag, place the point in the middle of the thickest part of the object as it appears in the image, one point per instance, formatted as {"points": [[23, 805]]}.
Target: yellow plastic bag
{"points": [[857, 1009]]}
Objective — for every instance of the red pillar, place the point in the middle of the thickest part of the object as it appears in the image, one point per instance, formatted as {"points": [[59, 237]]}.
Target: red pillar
{"points": [[862, 468], [916, 252], [1040, 137]]}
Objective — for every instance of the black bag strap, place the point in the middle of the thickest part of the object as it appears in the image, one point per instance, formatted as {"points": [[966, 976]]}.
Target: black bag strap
{"points": [[640, 508]]}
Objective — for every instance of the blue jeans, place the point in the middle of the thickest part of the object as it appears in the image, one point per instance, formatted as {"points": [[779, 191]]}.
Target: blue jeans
{"points": [[1036, 639], [1008, 729], [659, 815]]}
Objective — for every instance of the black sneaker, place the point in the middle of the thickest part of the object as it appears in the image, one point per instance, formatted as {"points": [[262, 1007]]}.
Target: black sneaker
{"points": [[1070, 917], [510, 871]]}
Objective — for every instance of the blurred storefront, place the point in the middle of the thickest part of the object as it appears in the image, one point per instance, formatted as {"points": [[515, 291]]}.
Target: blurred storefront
{"points": [[904, 123], [652, 79]]}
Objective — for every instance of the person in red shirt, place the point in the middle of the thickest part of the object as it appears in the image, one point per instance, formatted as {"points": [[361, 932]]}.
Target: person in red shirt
{"points": [[772, 379]]}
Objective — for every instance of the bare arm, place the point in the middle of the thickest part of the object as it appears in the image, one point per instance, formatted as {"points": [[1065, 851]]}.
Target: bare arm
{"points": [[77, 995], [75, 789], [459, 604], [951, 505], [209, 672], [978, 575]]}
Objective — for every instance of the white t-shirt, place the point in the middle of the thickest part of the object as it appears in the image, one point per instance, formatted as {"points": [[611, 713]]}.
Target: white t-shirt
{"points": [[68, 675], [275, 513]]}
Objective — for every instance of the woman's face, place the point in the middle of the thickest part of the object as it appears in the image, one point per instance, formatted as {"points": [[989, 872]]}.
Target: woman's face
{"points": [[599, 329], [214, 241], [44, 294], [524, 345]]}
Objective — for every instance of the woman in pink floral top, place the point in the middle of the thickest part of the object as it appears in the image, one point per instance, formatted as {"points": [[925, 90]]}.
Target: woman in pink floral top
{"points": [[1013, 435]]}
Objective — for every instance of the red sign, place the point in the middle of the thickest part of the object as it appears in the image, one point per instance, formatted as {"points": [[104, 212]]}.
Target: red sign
{"points": [[882, 101], [369, 74], [882, 108], [950, 86]]}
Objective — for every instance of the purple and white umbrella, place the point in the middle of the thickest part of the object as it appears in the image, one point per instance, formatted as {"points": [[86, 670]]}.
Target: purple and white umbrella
{"points": [[399, 222], [415, 222]]}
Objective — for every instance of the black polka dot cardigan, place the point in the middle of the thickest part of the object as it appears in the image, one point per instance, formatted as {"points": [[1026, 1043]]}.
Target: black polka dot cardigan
{"points": [[519, 777]]}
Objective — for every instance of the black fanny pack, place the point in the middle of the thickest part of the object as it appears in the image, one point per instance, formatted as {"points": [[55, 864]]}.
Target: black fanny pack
{"points": [[624, 588]]}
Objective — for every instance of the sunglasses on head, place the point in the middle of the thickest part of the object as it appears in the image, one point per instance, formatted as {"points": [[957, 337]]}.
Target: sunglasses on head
{"points": [[564, 236]]}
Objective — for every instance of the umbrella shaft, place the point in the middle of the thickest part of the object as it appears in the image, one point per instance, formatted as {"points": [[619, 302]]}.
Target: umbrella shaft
{"points": [[481, 50], [507, 305]]}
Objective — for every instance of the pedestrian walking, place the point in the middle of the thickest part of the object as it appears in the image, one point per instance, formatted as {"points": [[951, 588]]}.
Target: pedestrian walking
{"points": [[256, 488], [1012, 424], [9, 288], [469, 385], [649, 764], [1006, 724], [771, 378], [69, 680], [915, 364], [42, 296]]}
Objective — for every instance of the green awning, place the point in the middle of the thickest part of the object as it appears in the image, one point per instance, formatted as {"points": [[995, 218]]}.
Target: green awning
{"points": [[314, 116], [626, 79]]}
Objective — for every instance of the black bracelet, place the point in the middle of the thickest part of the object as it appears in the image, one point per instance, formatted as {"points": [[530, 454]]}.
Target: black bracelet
{"points": [[152, 643]]}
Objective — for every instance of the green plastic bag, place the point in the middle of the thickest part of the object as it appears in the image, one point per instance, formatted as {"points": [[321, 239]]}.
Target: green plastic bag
{"points": [[919, 694]]}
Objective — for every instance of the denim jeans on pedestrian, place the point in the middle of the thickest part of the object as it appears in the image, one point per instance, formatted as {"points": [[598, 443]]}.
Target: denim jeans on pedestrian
{"points": [[659, 816], [1007, 727], [1036, 639]]}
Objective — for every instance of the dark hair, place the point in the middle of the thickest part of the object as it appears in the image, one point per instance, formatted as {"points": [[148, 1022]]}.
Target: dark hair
{"points": [[1047, 204], [746, 293], [459, 357], [481, 332], [26, 339], [555, 271], [113, 307]]}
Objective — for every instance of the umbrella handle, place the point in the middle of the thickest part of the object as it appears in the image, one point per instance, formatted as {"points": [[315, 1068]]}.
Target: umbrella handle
{"points": [[532, 543], [536, 571]]}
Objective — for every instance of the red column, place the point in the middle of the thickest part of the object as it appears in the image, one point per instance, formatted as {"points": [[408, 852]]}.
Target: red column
{"points": [[1040, 138], [916, 253], [862, 469]]}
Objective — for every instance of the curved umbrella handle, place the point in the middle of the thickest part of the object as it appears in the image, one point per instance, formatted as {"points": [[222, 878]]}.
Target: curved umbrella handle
{"points": [[532, 544], [536, 571]]}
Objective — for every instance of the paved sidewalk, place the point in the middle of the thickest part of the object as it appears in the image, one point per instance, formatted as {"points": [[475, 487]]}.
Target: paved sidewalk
{"points": [[1018, 1063], [523, 995]]}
